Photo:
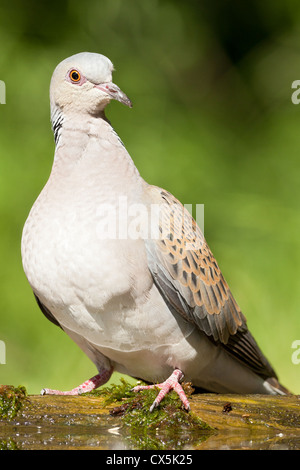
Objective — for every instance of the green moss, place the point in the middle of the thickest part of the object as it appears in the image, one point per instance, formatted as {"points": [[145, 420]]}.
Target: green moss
{"points": [[168, 426], [11, 400], [114, 393], [8, 445]]}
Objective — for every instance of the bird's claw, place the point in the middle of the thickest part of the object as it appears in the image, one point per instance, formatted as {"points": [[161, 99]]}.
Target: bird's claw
{"points": [[172, 383]]}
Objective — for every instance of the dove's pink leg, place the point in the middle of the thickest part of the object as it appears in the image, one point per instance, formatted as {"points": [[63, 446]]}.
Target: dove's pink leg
{"points": [[172, 383], [87, 386]]}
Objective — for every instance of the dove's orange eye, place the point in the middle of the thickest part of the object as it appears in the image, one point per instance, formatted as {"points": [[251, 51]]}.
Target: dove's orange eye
{"points": [[74, 75]]}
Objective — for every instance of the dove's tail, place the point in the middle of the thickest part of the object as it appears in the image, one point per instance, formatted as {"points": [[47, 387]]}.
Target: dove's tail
{"points": [[275, 388]]}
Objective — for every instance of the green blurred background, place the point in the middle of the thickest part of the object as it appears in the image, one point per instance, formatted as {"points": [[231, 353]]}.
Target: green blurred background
{"points": [[212, 122]]}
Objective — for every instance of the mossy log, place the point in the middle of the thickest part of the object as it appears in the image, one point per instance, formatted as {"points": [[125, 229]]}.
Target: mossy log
{"points": [[122, 421]]}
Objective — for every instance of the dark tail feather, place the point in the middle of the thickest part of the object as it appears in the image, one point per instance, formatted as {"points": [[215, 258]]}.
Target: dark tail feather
{"points": [[277, 387]]}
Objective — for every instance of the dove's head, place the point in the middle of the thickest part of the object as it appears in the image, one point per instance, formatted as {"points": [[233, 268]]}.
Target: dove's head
{"points": [[83, 83]]}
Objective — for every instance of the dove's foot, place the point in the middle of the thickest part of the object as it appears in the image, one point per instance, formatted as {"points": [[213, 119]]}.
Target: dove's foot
{"points": [[172, 383], [87, 386]]}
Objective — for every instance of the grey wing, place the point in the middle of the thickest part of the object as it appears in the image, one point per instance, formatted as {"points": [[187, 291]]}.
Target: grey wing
{"points": [[190, 281]]}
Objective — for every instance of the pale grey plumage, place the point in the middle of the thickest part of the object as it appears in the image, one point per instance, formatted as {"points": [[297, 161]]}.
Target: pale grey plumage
{"points": [[140, 305]]}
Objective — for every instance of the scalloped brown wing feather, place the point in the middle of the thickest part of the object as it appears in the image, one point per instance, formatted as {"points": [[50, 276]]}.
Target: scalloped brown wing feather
{"points": [[189, 279]]}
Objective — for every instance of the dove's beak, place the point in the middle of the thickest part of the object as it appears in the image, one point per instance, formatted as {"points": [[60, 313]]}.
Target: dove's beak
{"points": [[115, 93]]}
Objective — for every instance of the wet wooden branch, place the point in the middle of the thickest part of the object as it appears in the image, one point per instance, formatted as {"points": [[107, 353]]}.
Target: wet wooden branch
{"points": [[83, 422]]}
